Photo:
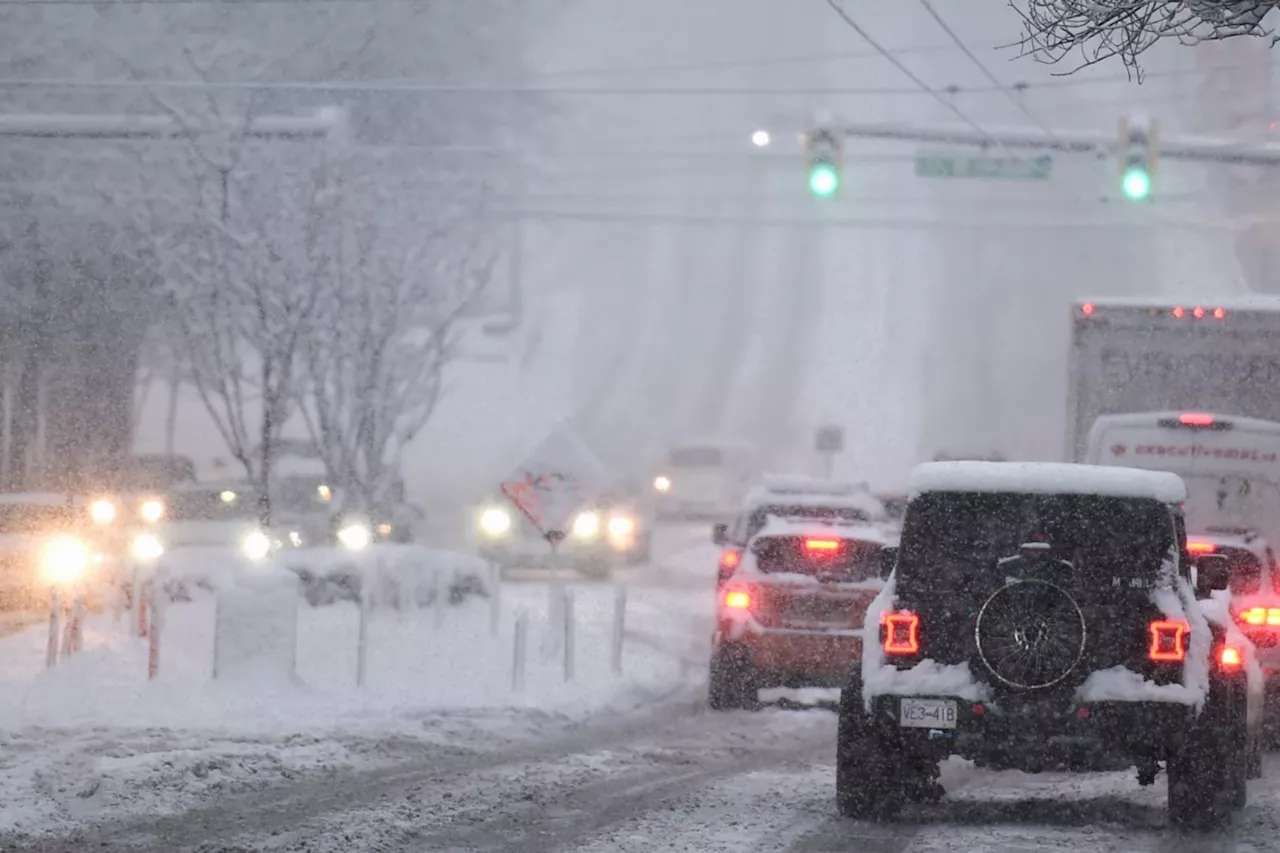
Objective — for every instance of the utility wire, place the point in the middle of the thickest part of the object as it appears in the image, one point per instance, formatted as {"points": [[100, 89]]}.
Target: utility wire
{"points": [[950, 105], [513, 88]]}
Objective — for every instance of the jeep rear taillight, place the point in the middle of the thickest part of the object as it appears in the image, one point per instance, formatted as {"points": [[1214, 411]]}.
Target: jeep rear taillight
{"points": [[1230, 658], [900, 632], [737, 599], [1168, 640]]}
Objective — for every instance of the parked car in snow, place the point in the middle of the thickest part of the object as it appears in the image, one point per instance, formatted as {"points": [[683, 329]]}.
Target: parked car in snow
{"points": [[1040, 615]]}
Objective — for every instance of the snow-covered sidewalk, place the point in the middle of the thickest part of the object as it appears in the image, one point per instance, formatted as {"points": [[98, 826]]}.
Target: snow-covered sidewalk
{"points": [[94, 739]]}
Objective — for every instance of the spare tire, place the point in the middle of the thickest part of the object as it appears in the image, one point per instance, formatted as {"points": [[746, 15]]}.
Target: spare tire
{"points": [[1030, 634]]}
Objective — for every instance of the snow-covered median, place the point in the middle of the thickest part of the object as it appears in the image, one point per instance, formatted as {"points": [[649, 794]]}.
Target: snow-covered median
{"points": [[93, 737]]}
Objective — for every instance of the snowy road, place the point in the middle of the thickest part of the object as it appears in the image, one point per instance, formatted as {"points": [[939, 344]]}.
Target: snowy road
{"points": [[680, 779], [660, 774]]}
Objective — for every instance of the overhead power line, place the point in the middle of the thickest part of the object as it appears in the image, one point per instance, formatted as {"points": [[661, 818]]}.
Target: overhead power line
{"points": [[515, 88]]}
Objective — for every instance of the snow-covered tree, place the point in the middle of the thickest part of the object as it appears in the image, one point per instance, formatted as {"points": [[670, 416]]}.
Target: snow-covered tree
{"points": [[1098, 30], [375, 369]]}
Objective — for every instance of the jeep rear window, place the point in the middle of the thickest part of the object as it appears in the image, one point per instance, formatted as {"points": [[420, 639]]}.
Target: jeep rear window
{"points": [[950, 539], [848, 560]]}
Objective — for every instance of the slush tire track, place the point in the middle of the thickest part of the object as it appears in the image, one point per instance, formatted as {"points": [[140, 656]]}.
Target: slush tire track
{"points": [[284, 807]]}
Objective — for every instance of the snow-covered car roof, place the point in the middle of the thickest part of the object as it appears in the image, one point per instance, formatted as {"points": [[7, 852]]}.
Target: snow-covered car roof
{"points": [[1047, 478], [188, 488], [36, 499], [858, 499], [813, 527]]}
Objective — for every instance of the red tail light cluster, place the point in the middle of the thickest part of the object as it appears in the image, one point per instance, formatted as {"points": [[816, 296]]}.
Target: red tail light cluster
{"points": [[1230, 658], [822, 546], [737, 599], [1201, 546], [1258, 616], [729, 562], [900, 632], [1168, 640]]}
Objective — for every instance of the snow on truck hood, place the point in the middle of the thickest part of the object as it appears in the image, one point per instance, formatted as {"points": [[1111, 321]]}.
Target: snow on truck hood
{"points": [[1047, 478], [205, 532]]}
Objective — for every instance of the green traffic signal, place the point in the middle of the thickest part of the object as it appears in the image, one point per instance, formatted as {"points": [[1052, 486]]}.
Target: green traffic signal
{"points": [[824, 180], [1136, 183]]}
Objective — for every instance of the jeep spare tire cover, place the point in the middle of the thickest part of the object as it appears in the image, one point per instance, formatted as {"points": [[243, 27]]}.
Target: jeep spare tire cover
{"points": [[1030, 634]]}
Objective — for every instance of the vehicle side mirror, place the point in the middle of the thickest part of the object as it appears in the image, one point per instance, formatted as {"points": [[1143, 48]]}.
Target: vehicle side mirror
{"points": [[888, 559], [719, 534], [1213, 572]]}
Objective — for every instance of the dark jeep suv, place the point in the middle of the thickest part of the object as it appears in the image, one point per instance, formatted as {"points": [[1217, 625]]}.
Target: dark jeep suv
{"points": [[1043, 616]]}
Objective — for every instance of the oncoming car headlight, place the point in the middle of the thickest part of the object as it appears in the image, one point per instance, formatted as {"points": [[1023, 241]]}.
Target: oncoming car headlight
{"points": [[102, 511], [355, 537], [621, 525], [662, 484], [256, 545], [146, 547], [495, 521], [151, 510], [64, 560], [586, 525]]}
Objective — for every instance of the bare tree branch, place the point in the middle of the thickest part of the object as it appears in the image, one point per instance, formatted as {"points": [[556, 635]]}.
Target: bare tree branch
{"points": [[1099, 30]]}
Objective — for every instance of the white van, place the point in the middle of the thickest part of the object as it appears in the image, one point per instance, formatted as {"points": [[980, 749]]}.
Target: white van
{"points": [[704, 480], [1231, 464]]}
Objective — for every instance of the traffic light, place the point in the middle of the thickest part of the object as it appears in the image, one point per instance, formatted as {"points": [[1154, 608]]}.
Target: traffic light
{"points": [[1136, 158], [824, 159]]}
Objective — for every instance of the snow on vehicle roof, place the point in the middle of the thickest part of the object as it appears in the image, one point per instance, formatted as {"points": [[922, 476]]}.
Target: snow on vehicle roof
{"points": [[1230, 303], [760, 497], [1047, 478], [860, 531]]}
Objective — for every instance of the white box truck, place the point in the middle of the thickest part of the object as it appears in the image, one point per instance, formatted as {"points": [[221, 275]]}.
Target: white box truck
{"points": [[1190, 388]]}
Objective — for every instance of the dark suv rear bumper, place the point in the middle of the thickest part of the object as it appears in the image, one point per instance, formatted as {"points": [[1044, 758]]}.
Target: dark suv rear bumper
{"points": [[1082, 737]]}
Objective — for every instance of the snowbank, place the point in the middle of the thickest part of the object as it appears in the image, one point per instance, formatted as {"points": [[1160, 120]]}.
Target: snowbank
{"points": [[390, 575], [94, 738]]}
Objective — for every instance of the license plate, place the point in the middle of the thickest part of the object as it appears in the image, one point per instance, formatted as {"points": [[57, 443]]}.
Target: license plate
{"points": [[927, 714]]}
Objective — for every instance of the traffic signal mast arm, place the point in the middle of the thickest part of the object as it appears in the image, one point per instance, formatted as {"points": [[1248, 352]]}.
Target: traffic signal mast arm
{"points": [[1196, 149]]}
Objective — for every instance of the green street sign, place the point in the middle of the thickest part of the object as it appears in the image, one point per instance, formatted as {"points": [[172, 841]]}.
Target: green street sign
{"points": [[984, 168]]}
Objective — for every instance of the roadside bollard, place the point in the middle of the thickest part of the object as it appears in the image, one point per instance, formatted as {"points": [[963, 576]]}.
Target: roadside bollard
{"points": [[519, 645], [51, 651]]}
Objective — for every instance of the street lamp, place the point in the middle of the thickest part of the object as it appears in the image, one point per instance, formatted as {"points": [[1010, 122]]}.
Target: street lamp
{"points": [[761, 138]]}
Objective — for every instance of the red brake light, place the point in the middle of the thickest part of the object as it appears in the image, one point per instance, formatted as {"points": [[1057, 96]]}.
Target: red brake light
{"points": [[1195, 419], [1179, 312], [822, 544], [1201, 546], [730, 559], [1273, 616], [1253, 616], [737, 600], [1230, 657], [901, 633], [1087, 309], [1168, 640], [1198, 313], [1219, 313]]}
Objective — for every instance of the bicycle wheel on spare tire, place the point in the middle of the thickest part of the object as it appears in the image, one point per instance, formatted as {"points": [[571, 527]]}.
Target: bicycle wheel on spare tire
{"points": [[1030, 634]]}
